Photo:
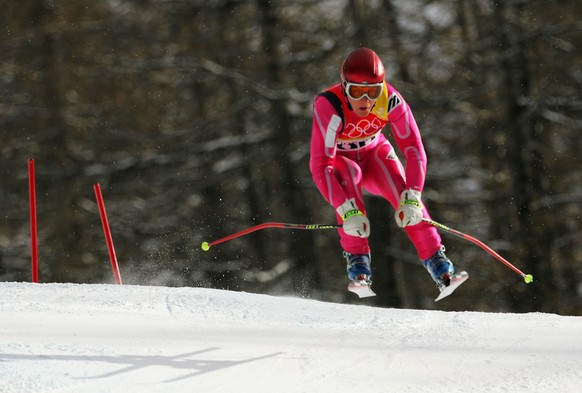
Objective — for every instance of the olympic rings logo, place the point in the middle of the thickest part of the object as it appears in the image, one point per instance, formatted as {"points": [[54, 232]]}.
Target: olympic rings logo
{"points": [[363, 128]]}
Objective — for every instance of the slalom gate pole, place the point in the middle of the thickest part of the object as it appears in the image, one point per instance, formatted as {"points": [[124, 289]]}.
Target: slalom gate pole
{"points": [[33, 223], [107, 233], [528, 278], [206, 246]]}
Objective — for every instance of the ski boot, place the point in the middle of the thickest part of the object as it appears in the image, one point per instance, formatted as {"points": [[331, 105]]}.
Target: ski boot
{"points": [[359, 274], [358, 266], [442, 272], [440, 268]]}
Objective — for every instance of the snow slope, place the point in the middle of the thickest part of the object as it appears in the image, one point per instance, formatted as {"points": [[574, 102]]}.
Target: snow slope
{"points": [[109, 338]]}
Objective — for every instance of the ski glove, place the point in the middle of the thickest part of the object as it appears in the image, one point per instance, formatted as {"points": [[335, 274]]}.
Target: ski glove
{"points": [[355, 222], [410, 210]]}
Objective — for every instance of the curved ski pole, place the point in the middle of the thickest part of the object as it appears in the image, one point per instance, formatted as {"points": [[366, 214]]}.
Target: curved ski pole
{"points": [[206, 245], [528, 278]]}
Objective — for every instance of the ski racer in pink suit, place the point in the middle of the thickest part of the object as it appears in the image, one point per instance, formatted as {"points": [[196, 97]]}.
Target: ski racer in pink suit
{"points": [[349, 153]]}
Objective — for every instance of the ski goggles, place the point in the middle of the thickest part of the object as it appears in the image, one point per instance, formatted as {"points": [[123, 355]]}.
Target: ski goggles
{"points": [[357, 91]]}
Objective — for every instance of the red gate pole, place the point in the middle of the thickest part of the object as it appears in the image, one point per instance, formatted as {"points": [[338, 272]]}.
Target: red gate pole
{"points": [[107, 233], [33, 224]]}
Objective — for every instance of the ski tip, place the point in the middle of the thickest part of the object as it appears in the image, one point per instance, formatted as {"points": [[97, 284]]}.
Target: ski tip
{"points": [[456, 280], [362, 289]]}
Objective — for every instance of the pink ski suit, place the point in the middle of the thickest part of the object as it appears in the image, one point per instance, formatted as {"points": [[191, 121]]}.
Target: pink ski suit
{"points": [[350, 153]]}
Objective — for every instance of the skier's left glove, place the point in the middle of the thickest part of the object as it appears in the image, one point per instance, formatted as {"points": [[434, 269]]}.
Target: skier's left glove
{"points": [[410, 210], [355, 222]]}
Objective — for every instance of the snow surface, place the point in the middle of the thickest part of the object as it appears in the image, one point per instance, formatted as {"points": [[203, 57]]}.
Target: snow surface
{"points": [[112, 338]]}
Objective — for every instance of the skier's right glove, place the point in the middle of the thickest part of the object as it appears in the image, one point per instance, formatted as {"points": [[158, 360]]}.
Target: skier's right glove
{"points": [[355, 222]]}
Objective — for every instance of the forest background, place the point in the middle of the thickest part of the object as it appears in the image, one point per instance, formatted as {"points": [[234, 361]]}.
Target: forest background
{"points": [[195, 119]]}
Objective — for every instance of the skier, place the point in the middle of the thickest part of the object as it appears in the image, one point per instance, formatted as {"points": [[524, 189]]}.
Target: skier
{"points": [[349, 153]]}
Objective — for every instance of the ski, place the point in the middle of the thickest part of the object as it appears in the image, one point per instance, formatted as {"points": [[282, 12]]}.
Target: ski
{"points": [[456, 280], [362, 288]]}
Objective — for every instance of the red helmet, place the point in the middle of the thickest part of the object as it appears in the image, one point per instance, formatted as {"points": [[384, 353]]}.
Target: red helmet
{"points": [[362, 66]]}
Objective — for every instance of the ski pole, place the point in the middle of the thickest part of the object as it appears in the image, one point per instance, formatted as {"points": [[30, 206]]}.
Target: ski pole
{"points": [[526, 277], [206, 246]]}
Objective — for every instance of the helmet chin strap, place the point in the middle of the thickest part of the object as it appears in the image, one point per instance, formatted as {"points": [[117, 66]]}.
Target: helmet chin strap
{"points": [[346, 96], [343, 83]]}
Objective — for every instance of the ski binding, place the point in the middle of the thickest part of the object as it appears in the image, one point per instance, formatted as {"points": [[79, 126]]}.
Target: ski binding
{"points": [[456, 280], [361, 286]]}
